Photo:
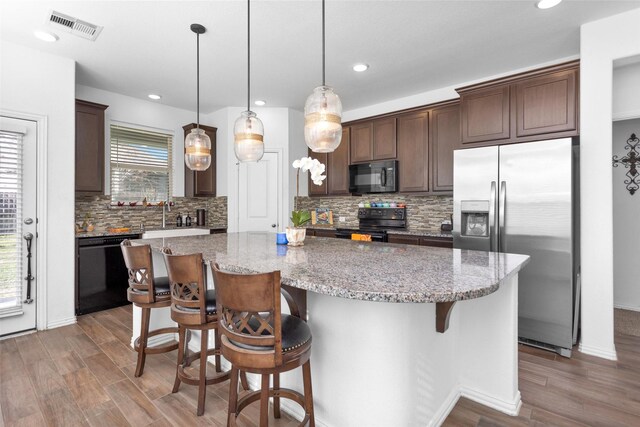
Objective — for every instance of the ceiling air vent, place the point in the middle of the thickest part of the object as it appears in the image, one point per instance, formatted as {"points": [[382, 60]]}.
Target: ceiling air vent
{"points": [[75, 26]]}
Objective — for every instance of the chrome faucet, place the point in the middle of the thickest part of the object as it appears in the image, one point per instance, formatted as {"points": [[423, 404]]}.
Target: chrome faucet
{"points": [[164, 215]]}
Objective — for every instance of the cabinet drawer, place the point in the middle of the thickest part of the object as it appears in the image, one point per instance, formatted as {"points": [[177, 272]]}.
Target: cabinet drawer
{"points": [[403, 239]]}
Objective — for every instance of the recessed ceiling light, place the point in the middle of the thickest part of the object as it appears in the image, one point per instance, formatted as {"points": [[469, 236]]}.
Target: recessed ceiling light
{"points": [[154, 96], [360, 67], [547, 4], [260, 102], [46, 36]]}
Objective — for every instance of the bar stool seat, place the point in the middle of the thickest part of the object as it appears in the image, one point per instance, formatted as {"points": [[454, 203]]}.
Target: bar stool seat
{"points": [[146, 292], [295, 334]]}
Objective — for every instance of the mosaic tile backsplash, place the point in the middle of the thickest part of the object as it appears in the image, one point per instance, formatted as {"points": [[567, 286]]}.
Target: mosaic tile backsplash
{"points": [[424, 213], [103, 215]]}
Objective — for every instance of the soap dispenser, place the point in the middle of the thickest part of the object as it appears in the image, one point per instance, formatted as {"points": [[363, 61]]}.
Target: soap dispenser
{"points": [[179, 220]]}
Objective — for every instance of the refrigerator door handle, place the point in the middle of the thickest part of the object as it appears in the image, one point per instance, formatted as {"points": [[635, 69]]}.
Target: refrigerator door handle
{"points": [[493, 235], [501, 216]]}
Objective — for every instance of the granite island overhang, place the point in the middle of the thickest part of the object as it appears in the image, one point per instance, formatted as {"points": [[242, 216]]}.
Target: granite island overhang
{"points": [[385, 364]]}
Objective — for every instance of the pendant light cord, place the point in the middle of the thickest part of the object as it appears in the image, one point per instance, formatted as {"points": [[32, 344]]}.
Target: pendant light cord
{"points": [[323, 81], [248, 54], [198, 80]]}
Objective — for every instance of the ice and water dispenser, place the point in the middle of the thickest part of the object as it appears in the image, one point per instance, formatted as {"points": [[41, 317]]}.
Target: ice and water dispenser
{"points": [[474, 219]]}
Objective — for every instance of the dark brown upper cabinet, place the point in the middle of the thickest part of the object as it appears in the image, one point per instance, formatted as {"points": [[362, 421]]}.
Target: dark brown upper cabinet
{"points": [[485, 114], [201, 183], [319, 190], [535, 105], [362, 142], [413, 152], [338, 167], [546, 104], [89, 147], [384, 139], [445, 137], [373, 140]]}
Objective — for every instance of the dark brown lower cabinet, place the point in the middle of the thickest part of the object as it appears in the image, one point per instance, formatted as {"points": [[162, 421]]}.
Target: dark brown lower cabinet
{"points": [[440, 242], [321, 233]]}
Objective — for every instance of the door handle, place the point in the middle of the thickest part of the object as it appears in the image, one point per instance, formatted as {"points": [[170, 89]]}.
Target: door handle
{"points": [[273, 226], [29, 238], [28, 221], [493, 236], [502, 216]]}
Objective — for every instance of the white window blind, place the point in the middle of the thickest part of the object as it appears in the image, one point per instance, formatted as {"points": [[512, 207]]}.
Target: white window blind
{"points": [[140, 165], [10, 221]]}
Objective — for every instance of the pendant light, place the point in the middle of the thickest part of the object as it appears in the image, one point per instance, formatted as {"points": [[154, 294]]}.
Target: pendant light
{"points": [[197, 145], [323, 114], [248, 130]]}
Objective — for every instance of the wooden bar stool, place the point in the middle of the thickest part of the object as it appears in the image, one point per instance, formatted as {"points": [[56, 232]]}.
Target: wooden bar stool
{"points": [[147, 292], [257, 338], [193, 306]]}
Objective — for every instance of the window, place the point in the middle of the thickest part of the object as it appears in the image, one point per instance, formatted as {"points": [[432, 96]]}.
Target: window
{"points": [[140, 165]]}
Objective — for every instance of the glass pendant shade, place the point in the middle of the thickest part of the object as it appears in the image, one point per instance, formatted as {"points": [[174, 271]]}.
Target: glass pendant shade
{"points": [[197, 150], [248, 132], [323, 120]]}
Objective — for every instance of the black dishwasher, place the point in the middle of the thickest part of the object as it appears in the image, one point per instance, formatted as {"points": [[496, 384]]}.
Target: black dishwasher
{"points": [[101, 276]]}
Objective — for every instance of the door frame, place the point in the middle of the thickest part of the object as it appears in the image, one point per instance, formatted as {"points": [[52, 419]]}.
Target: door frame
{"points": [[41, 209]]}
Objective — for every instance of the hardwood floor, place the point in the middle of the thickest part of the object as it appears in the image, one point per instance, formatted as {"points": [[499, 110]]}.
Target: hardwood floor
{"points": [[581, 391], [82, 375]]}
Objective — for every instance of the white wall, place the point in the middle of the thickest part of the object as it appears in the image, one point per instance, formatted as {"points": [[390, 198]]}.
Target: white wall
{"points": [[626, 228], [297, 149], [601, 42], [626, 92], [276, 137], [37, 83], [138, 113]]}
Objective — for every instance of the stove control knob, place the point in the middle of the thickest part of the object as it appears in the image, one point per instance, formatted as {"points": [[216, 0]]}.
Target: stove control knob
{"points": [[399, 213]]}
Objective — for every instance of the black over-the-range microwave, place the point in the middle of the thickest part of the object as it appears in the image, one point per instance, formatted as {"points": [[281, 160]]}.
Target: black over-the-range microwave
{"points": [[374, 177]]}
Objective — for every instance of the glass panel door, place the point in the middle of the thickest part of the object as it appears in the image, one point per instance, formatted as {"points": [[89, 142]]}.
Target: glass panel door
{"points": [[17, 225]]}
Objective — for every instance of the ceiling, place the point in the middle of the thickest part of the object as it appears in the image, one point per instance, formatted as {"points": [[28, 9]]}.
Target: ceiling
{"points": [[411, 46]]}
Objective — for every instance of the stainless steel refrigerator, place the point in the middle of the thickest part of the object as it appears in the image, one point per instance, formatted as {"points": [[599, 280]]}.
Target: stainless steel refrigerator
{"points": [[522, 198]]}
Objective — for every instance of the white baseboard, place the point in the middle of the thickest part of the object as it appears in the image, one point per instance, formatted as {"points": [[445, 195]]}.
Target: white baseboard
{"points": [[61, 322], [627, 307], [604, 353], [509, 408], [445, 409]]}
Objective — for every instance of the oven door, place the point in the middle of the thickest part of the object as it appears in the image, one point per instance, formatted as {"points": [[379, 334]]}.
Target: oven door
{"points": [[376, 177]]}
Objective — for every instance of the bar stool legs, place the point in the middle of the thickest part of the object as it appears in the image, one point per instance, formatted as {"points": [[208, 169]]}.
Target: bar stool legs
{"points": [[140, 344], [308, 394]]}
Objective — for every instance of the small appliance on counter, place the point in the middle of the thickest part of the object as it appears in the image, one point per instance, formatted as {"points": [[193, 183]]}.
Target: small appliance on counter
{"points": [[201, 217]]}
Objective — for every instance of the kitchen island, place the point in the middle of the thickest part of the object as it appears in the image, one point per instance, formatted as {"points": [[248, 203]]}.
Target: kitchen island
{"points": [[377, 359]]}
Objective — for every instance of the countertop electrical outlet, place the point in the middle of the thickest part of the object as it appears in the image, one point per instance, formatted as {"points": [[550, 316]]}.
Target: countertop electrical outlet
{"points": [[342, 219]]}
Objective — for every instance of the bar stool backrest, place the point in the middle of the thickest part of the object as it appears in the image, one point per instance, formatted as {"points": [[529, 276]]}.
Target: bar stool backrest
{"points": [[249, 317], [140, 267], [188, 287]]}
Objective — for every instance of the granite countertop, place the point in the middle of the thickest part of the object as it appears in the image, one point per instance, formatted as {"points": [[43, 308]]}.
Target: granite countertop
{"points": [[136, 230], [369, 271], [418, 233]]}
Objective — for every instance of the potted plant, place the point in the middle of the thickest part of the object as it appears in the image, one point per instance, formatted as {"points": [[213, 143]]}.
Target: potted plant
{"points": [[297, 234]]}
